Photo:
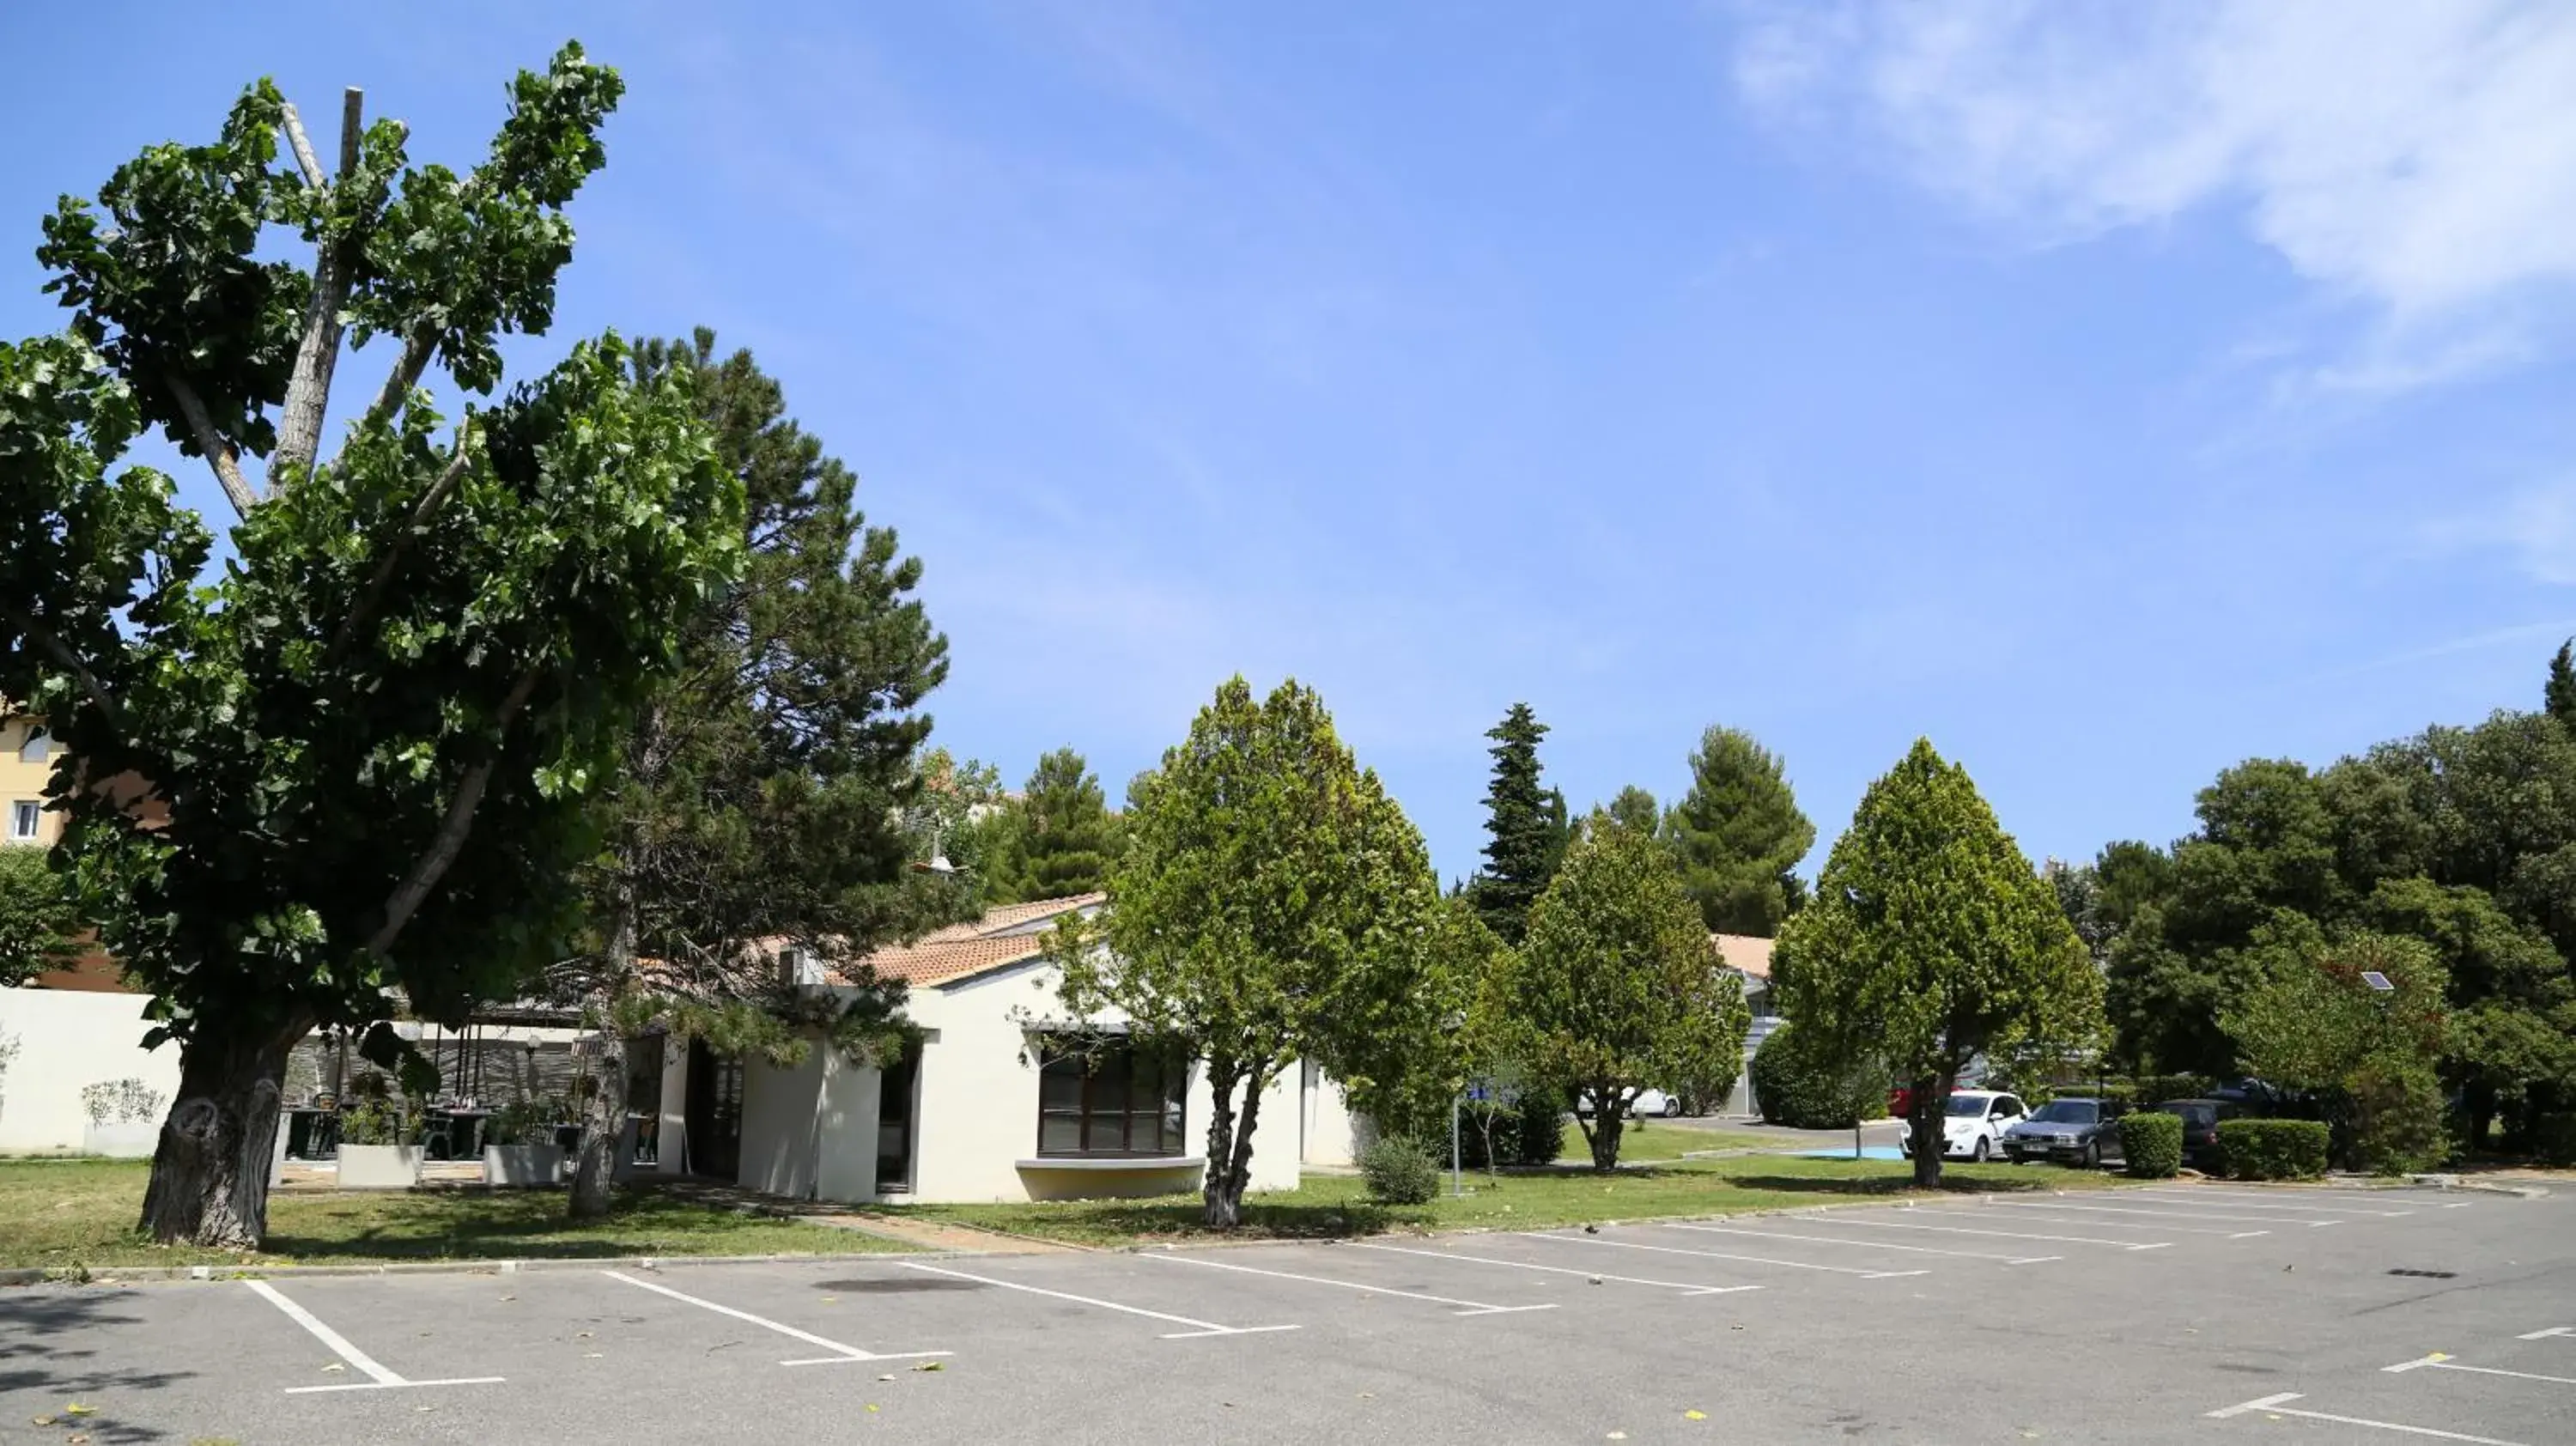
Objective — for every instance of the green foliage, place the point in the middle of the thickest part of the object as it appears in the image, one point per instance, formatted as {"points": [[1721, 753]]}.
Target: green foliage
{"points": [[2273, 1149], [1525, 829], [1809, 1089], [1739, 835], [2151, 1144], [1617, 986], [2155, 1089], [2553, 1139], [1932, 940], [37, 916], [1065, 836], [1634, 808], [1540, 1114], [1272, 905], [2314, 1024], [2558, 696], [2397, 1123], [417, 644], [379, 1122], [1399, 1171]]}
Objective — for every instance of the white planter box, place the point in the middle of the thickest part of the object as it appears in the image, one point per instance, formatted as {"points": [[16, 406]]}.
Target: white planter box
{"points": [[540, 1166], [379, 1167], [122, 1142]]}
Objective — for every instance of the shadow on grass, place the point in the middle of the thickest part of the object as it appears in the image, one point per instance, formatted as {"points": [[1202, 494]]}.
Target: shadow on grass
{"points": [[493, 1224]]}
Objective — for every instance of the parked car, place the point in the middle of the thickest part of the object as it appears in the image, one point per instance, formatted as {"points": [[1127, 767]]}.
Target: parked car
{"points": [[1636, 1103], [2200, 1125], [1900, 1101], [2084, 1131], [1975, 1125]]}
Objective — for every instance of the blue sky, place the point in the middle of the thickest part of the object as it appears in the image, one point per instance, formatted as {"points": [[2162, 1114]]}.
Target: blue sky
{"points": [[2107, 392]]}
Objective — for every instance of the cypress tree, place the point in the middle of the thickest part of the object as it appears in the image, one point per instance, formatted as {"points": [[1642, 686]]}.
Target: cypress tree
{"points": [[2559, 697], [1065, 833], [1524, 835]]}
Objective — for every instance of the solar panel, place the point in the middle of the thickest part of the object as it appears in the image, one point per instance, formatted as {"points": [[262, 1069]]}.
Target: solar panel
{"points": [[2378, 981]]}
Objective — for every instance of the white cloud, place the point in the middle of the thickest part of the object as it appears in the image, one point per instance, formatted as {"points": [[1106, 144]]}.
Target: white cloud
{"points": [[2417, 157], [2537, 525]]}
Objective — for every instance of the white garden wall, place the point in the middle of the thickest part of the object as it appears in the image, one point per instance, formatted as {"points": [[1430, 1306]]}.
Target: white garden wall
{"points": [[66, 1039]]}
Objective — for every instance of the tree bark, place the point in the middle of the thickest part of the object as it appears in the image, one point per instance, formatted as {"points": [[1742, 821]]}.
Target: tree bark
{"points": [[1223, 1210], [1930, 1102], [1238, 1175], [210, 1171], [604, 1118], [1607, 1121]]}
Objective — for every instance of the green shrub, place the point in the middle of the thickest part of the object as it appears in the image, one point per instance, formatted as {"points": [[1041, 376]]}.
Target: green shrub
{"points": [[1540, 1138], [2155, 1089], [2553, 1138], [1398, 1172], [2273, 1149], [1792, 1086], [2152, 1144], [2398, 1124]]}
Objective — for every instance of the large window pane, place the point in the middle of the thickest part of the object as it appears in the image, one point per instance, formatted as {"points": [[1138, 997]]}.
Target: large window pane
{"points": [[1060, 1134], [1104, 1097]]}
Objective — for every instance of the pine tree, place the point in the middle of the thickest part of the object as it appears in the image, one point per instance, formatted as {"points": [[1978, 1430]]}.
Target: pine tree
{"points": [[1739, 835], [1634, 809], [1525, 834], [1065, 837], [2559, 698]]}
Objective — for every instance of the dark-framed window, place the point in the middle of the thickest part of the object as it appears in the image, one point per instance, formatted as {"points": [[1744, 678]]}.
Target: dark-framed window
{"points": [[1109, 1098]]}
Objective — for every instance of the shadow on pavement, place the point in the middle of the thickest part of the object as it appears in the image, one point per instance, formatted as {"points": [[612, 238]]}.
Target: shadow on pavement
{"points": [[41, 1356]]}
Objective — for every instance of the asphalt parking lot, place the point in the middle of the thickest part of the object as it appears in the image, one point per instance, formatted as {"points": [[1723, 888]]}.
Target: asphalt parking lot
{"points": [[2184, 1313]]}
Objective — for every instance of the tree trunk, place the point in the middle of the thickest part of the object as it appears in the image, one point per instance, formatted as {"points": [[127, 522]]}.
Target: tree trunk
{"points": [[210, 1171], [1607, 1121], [604, 1116], [1238, 1176], [1930, 1103], [1224, 1208]]}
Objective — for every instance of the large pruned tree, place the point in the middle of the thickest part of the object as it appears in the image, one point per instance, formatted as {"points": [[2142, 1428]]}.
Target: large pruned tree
{"points": [[1617, 985], [1273, 905], [761, 793], [353, 768], [1932, 940], [1739, 835]]}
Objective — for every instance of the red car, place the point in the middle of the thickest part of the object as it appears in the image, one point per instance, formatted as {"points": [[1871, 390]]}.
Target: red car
{"points": [[1900, 1099]]}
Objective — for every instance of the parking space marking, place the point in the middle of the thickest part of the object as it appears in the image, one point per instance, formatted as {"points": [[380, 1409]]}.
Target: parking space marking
{"points": [[2233, 1203], [2160, 1214], [1865, 1244], [1593, 1275], [2285, 1192], [2104, 1224], [2275, 1405], [843, 1352], [1722, 1255], [1198, 1328], [2552, 1331], [1470, 1307], [1972, 1230], [378, 1378], [2443, 1363]]}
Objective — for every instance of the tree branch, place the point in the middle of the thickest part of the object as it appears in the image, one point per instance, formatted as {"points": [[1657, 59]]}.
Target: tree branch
{"points": [[432, 866], [417, 349], [308, 390], [304, 159], [220, 454], [70, 662], [420, 513]]}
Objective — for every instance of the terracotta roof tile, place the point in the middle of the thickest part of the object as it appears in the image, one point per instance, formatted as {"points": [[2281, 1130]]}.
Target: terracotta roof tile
{"points": [[960, 950], [1744, 954]]}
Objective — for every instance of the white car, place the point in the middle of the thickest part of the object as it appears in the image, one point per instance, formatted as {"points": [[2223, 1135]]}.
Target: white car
{"points": [[1636, 1103], [1974, 1126]]}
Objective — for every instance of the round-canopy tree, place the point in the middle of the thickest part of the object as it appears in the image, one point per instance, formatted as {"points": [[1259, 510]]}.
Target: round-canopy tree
{"points": [[351, 769], [1931, 939]]}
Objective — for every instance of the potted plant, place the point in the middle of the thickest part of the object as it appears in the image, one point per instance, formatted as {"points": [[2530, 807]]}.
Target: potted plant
{"points": [[519, 1146], [124, 1118], [379, 1147]]}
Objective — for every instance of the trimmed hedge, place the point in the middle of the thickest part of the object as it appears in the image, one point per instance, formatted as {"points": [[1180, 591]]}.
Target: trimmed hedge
{"points": [[2155, 1089], [2151, 1143], [1793, 1088], [1398, 1172], [2273, 1149]]}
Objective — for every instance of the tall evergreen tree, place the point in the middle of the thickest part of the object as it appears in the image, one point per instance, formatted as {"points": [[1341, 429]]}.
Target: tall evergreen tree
{"points": [[1739, 836], [1524, 835], [1634, 809], [1065, 837], [764, 794], [2559, 696]]}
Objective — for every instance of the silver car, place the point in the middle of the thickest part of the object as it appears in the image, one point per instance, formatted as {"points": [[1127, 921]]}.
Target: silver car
{"points": [[2071, 1128]]}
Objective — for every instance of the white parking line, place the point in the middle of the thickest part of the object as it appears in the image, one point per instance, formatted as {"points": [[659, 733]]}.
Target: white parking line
{"points": [[2552, 1331], [378, 1378], [2233, 1203], [2160, 1214], [2294, 1192], [1471, 1307], [2274, 1406], [1594, 1275], [1971, 1230], [2101, 1224], [1722, 1255], [2441, 1363], [1865, 1244], [1198, 1327], [842, 1352]]}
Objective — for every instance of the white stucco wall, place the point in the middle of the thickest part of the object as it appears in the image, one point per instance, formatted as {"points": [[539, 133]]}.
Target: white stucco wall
{"points": [[780, 1108], [66, 1039], [1326, 1135]]}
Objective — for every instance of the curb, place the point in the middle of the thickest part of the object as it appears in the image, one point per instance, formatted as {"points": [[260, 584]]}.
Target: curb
{"points": [[184, 1274], [2483, 1187]]}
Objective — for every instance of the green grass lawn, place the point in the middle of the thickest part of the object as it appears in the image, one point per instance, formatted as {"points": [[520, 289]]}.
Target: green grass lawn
{"points": [[1337, 1205], [1645, 1142], [69, 1213]]}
